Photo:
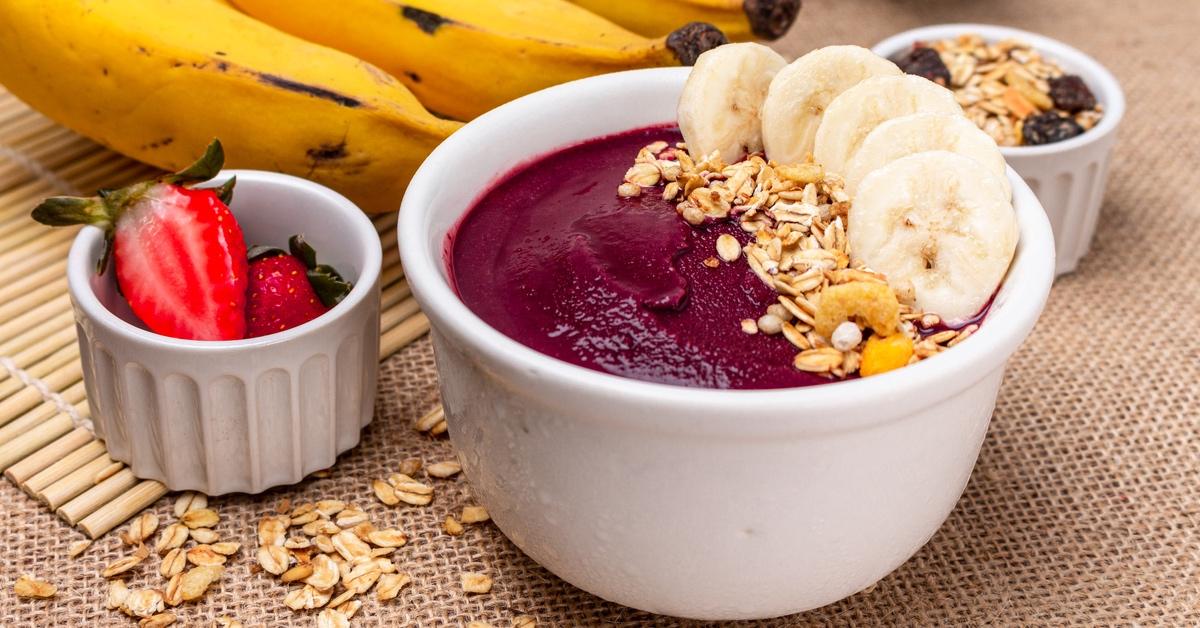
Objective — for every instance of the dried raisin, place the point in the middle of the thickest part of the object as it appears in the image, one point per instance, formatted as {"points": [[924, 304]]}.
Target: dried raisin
{"points": [[925, 61], [1049, 127], [1071, 94]]}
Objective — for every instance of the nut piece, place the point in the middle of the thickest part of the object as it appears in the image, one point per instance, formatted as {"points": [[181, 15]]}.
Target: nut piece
{"points": [[846, 336], [390, 585], [728, 247], [473, 582], [474, 514], [29, 587], [874, 302], [448, 468], [201, 518]]}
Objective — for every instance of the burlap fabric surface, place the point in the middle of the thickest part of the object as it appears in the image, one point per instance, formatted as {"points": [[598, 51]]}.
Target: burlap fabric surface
{"points": [[1084, 506]]}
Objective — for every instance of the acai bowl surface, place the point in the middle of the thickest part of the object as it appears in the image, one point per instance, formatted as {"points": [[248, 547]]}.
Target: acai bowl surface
{"points": [[798, 497]]}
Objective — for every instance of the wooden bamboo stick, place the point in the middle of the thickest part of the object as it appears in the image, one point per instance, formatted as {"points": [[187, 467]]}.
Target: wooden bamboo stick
{"points": [[48, 455], [43, 434], [402, 334], [33, 298], [126, 505], [23, 261], [396, 314], [60, 469], [391, 255], [386, 222], [391, 274], [74, 483], [51, 345], [387, 239], [17, 404], [23, 236], [35, 317], [29, 282], [41, 368], [95, 497], [42, 413], [51, 327], [394, 294]]}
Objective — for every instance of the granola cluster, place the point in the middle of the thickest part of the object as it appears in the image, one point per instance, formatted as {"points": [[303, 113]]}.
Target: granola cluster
{"points": [[1009, 89], [842, 317]]}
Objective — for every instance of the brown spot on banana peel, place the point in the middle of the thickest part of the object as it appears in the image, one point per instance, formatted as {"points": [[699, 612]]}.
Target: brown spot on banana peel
{"points": [[327, 152], [694, 39], [771, 19], [311, 90], [427, 21]]}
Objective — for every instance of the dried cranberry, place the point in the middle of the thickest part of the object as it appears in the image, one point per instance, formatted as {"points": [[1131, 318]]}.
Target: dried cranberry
{"points": [[925, 61], [1070, 93], [1049, 127]]}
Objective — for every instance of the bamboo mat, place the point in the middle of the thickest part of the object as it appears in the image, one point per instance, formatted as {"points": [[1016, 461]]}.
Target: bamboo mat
{"points": [[46, 444]]}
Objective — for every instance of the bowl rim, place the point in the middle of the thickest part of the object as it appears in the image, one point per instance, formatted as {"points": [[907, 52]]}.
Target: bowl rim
{"points": [[81, 268], [890, 395], [1107, 88]]}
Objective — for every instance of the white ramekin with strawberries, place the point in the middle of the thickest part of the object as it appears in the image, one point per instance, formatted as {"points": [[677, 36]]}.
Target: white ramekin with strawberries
{"points": [[215, 366]]}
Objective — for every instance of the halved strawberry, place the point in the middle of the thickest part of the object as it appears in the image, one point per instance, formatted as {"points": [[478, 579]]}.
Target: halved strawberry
{"points": [[179, 253], [289, 289]]}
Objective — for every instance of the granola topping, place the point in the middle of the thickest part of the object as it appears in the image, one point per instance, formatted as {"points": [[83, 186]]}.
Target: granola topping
{"points": [[1002, 86]]}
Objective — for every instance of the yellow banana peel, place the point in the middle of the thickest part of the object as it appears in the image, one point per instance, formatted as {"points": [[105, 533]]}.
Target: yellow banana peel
{"points": [[158, 80], [740, 20], [464, 58]]}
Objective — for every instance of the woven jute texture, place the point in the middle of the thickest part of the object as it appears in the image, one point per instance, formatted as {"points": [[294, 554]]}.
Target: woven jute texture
{"points": [[1084, 508]]}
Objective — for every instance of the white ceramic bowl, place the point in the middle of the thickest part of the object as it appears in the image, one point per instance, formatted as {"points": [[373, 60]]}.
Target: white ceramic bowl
{"points": [[1068, 177], [698, 503], [238, 415]]}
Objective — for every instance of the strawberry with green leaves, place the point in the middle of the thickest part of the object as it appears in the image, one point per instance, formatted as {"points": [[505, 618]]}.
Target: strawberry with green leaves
{"points": [[289, 288], [178, 251]]}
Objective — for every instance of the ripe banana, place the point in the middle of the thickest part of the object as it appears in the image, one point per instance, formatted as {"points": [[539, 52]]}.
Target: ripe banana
{"points": [[858, 110], [801, 92], [158, 80], [464, 58], [922, 132], [740, 20], [720, 103], [940, 223]]}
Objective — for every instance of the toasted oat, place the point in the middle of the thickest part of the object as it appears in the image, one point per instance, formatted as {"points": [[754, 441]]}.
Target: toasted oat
{"points": [[474, 514], [524, 621], [173, 593], [437, 416], [117, 592], [342, 598], [143, 603], [273, 559], [479, 624], [452, 526], [410, 466], [332, 618], [197, 580], [200, 518], [410, 491], [29, 587], [226, 622], [473, 582], [445, 469], [320, 526], [161, 620], [323, 543], [172, 536], [822, 360], [124, 564], [349, 546], [272, 530], [330, 507], [78, 547], [305, 598], [349, 608], [749, 326], [173, 563], [141, 529], [206, 536], [728, 247], [390, 585], [299, 572], [350, 517], [190, 501], [390, 537]]}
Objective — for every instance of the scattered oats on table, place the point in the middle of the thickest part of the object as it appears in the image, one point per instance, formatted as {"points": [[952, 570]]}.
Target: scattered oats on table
{"points": [[473, 582], [29, 587]]}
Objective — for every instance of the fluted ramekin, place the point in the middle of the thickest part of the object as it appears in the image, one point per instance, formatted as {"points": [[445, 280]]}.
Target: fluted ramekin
{"points": [[1067, 177], [238, 415], [713, 504]]}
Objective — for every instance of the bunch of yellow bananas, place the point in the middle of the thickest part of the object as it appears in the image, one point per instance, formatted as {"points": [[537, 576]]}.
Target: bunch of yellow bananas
{"points": [[340, 93]]}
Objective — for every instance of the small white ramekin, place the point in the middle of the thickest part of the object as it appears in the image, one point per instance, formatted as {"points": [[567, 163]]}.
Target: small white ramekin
{"points": [[1067, 177], [238, 415], [698, 503]]}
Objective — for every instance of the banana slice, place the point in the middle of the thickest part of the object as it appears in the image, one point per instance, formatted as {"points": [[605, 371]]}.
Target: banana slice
{"points": [[854, 114], [720, 104], [801, 92], [940, 223], [922, 132]]}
